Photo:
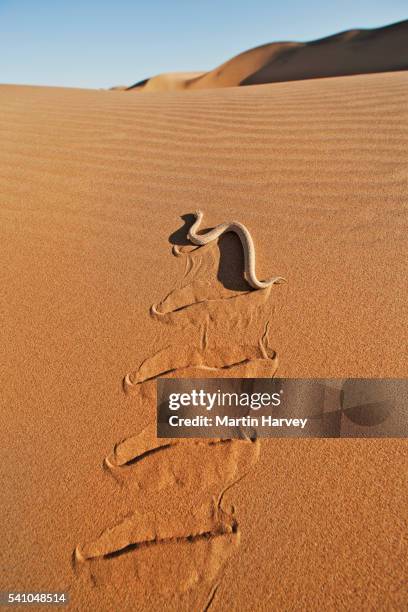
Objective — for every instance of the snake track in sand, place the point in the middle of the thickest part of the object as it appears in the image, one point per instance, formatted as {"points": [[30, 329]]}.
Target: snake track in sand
{"points": [[247, 243]]}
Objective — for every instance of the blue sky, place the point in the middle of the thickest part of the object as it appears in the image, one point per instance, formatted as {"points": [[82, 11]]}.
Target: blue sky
{"points": [[96, 43]]}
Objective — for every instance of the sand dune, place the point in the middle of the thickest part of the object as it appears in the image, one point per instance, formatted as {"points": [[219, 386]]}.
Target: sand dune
{"points": [[168, 81], [352, 52], [96, 188]]}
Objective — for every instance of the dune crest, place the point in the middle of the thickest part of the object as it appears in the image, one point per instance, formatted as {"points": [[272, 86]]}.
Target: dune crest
{"points": [[358, 51]]}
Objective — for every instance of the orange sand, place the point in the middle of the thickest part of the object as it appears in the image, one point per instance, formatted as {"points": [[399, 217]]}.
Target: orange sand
{"points": [[93, 184]]}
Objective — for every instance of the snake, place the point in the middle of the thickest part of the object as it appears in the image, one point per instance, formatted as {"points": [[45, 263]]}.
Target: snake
{"points": [[247, 243]]}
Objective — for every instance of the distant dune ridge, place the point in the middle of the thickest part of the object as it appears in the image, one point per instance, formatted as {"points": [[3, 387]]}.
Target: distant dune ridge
{"points": [[357, 51]]}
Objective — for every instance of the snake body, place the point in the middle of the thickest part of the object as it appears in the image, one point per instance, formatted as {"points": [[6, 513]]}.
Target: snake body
{"points": [[247, 243]]}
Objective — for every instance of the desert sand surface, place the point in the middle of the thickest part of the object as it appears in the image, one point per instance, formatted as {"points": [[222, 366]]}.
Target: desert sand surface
{"points": [[356, 51], [95, 306]]}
